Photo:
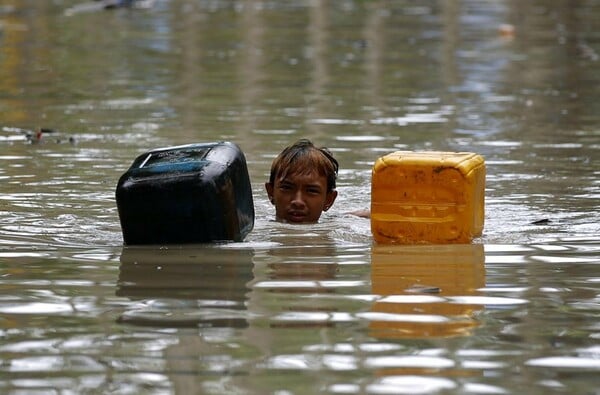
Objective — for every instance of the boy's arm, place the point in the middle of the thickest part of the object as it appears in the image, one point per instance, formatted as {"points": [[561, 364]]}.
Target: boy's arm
{"points": [[365, 213]]}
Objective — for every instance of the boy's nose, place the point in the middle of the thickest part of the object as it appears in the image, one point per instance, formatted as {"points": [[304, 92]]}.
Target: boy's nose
{"points": [[298, 199]]}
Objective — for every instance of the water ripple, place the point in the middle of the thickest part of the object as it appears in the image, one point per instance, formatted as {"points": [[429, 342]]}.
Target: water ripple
{"points": [[411, 384], [566, 362]]}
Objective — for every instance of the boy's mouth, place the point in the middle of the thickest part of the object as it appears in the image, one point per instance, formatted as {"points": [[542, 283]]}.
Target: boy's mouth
{"points": [[296, 216]]}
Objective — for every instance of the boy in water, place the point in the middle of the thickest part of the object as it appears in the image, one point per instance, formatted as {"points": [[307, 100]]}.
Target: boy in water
{"points": [[302, 182]]}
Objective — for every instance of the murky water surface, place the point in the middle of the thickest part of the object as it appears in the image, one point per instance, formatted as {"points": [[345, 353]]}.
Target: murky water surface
{"points": [[301, 309]]}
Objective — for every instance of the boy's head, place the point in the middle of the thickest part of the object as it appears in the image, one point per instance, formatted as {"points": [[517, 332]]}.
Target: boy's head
{"points": [[302, 182]]}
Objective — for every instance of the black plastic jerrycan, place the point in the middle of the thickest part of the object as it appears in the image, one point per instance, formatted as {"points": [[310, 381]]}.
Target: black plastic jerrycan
{"points": [[194, 193]]}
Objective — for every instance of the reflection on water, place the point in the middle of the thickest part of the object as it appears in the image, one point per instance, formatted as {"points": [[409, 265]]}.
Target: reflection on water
{"points": [[426, 290], [300, 309], [185, 287], [362, 318]]}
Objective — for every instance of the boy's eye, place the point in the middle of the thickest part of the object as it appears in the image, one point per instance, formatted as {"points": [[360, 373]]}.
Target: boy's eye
{"points": [[314, 191]]}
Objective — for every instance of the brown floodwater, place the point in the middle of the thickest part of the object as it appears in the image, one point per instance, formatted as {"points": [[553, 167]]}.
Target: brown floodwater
{"points": [[313, 308]]}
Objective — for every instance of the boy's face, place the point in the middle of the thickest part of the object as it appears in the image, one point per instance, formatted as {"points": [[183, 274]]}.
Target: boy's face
{"points": [[300, 197]]}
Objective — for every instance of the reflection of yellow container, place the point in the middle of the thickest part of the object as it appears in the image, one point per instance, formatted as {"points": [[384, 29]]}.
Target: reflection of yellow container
{"points": [[415, 285], [430, 197]]}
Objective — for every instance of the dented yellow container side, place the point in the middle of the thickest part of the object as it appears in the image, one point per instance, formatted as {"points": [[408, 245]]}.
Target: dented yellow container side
{"points": [[427, 197]]}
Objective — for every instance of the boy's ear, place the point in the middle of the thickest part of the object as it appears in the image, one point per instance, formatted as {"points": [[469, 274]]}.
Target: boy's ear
{"points": [[269, 188], [329, 199]]}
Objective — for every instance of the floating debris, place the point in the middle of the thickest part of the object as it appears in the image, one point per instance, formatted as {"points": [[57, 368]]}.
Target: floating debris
{"points": [[39, 135], [543, 221], [424, 289], [587, 52], [506, 30], [100, 5]]}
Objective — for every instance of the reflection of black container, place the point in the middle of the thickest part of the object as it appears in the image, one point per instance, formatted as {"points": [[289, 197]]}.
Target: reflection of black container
{"points": [[186, 286], [193, 193], [191, 272]]}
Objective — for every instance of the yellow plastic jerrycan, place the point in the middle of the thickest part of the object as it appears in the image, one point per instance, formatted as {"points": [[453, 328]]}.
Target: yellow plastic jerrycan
{"points": [[427, 197]]}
